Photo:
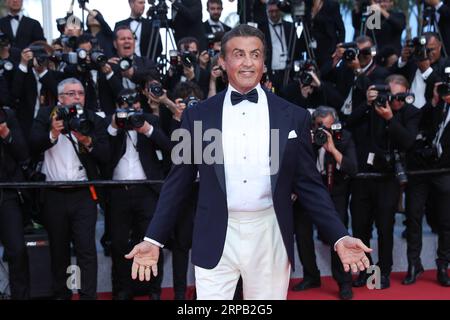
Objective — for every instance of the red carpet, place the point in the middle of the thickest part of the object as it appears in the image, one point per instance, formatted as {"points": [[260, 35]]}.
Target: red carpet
{"points": [[426, 288]]}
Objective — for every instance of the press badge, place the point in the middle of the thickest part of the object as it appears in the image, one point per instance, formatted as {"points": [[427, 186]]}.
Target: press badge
{"points": [[370, 158], [159, 155]]}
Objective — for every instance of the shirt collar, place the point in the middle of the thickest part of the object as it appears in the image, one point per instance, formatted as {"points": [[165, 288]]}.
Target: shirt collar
{"points": [[20, 14], [213, 23], [231, 89]]}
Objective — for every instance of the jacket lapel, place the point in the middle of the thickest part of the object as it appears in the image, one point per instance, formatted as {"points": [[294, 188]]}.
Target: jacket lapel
{"points": [[280, 118]]}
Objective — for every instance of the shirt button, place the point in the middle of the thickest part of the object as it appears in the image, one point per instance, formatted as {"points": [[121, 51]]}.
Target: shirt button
{"points": [[243, 113], [244, 134], [245, 181], [245, 158]]}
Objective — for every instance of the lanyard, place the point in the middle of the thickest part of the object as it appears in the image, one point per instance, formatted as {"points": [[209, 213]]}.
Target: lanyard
{"points": [[279, 36]]}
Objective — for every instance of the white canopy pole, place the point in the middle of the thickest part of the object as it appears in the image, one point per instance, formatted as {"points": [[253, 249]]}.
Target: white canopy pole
{"points": [[47, 23]]}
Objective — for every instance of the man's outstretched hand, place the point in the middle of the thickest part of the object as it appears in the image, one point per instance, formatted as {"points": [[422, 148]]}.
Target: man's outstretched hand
{"points": [[145, 257], [352, 253]]}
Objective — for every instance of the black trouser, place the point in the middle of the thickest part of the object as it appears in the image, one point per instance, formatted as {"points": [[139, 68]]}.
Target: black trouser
{"points": [[182, 243], [418, 190], [70, 215], [375, 200], [11, 235], [305, 243], [132, 209]]}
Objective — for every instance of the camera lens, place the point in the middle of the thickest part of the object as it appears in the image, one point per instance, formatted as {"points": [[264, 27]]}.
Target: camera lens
{"points": [[320, 137]]}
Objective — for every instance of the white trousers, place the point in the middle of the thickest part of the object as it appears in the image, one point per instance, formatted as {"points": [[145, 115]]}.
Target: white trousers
{"points": [[254, 249]]}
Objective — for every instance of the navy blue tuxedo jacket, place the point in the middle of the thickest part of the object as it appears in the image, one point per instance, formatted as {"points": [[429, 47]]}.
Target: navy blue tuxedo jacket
{"points": [[297, 174]]}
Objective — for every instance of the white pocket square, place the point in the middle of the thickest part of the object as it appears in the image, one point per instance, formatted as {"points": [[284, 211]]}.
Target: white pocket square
{"points": [[292, 135]]}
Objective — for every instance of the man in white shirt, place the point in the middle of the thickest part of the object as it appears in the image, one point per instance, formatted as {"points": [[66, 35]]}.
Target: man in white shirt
{"points": [[69, 214], [244, 219]]}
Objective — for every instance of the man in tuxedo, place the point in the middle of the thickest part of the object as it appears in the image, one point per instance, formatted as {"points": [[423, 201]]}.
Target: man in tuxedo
{"points": [[71, 153], [134, 152], [142, 30], [187, 21], [213, 24], [244, 219], [279, 49], [21, 30], [336, 162]]}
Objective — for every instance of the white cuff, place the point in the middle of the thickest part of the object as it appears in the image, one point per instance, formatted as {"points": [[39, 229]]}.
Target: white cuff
{"points": [[439, 5], [109, 75], [401, 63], [156, 243], [112, 131], [23, 68], [427, 73], [53, 141], [149, 133], [41, 75], [335, 244]]}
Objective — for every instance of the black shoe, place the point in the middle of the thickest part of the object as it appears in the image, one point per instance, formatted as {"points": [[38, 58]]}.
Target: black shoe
{"points": [[442, 275], [155, 296], [361, 281], [385, 281], [345, 291], [306, 284], [414, 271]]}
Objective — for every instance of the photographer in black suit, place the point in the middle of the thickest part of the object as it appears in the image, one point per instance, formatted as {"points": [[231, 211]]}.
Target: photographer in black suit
{"points": [[393, 22], [141, 29], [74, 142], [390, 126], [13, 151], [21, 30], [137, 148], [213, 24], [431, 151], [439, 12], [336, 162]]}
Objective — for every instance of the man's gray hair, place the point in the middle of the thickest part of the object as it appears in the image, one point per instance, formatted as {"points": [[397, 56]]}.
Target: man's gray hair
{"points": [[67, 81], [243, 30], [324, 111]]}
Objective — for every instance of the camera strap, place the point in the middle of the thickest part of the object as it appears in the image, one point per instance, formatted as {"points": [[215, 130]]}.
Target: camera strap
{"points": [[442, 126], [279, 35], [74, 145]]}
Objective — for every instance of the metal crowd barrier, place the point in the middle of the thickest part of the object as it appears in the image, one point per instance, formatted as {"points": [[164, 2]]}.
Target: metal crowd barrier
{"points": [[108, 183]]}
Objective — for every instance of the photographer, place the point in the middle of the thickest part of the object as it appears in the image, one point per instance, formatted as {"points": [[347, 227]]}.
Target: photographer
{"points": [[141, 28], [187, 21], [390, 124], [100, 30], [13, 151], [431, 151], [336, 162], [34, 84], [439, 12], [393, 23], [20, 29], [136, 141], [74, 142], [217, 79], [186, 67], [213, 24], [352, 70], [422, 64]]}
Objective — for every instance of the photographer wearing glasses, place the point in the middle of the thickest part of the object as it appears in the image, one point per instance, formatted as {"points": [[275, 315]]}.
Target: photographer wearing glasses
{"points": [[75, 143], [431, 151], [137, 148], [336, 162], [390, 124]]}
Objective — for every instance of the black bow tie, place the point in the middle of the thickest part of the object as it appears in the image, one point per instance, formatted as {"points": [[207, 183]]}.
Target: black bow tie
{"points": [[136, 19], [14, 17], [251, 96]]}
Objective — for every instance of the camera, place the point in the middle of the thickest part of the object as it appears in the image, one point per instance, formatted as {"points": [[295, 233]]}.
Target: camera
{"points": [[70, 42], [399, 169], [188, 59], [82, 3], [352, 51], [418, 45], [75, 119], [125, 64], [4, 40], [156, 89], [191, 102], [6, 65], [320, 137], [384, 95], [69, 58], [40, 54], [302, 71], [444, 88], [98, 59], [129, 118], [211, 41]]}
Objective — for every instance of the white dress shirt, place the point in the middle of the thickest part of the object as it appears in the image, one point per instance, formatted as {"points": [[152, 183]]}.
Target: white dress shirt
{"points": [[215, 26], [129, 166], [15, 23], [246, 141], [136, 28], [419, 85], [279, 47], [61, 163]]}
